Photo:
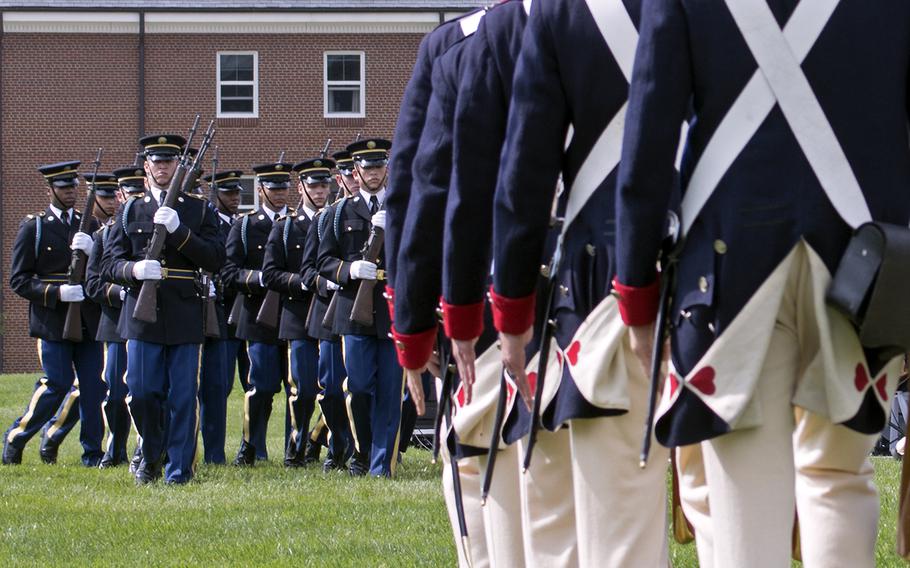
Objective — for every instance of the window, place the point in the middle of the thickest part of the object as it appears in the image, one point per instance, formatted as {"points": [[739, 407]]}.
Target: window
{"points": [[249, 197], [344, 84], [238, 84]]}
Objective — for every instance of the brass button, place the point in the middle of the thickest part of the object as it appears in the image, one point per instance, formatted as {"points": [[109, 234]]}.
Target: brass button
{"points": [[720, 247], [589, 248], [564, 290], [139, 231], [702, 284]]}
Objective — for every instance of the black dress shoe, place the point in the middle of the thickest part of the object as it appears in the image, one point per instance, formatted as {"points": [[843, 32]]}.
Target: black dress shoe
{"points": [[48, 452], [11, 455], [246, 456], [136, 460], [360, 465], [108, 462], [311, 455], [93, 461], [147, 473], [331, 464]]}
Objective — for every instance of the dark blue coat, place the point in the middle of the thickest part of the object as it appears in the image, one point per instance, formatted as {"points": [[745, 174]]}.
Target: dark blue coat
{"points": [[479, 134], [320, 294], [420, 254], [411, 120], [769, 198], [566, 75], [342, 243], [193, 246], [41, 259], [281, 271], [245, 256], [104, 293]]}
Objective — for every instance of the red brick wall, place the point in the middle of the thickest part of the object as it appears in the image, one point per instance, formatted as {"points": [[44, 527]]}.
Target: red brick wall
{"points": [[64, 95]]}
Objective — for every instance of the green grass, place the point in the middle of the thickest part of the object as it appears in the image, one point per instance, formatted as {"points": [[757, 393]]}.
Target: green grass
{"points": [[55, 515]]}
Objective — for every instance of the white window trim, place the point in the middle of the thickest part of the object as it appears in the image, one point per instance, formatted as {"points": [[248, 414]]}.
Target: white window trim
{"points": [[219, 83], [362, 83], [255, 206]]}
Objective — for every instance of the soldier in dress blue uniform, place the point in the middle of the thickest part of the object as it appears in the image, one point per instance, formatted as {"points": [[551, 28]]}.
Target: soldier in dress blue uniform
{"points": [[84, 403], [219, 353], [243, 271], [281, 270], [109, 195], [561, 75], [41, 257], [375, 381], [163, 358], [781, 140], [332, 373]]}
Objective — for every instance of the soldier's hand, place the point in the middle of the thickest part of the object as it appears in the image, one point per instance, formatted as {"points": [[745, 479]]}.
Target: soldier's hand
{"points": [[415, 386], [71, 293], [83, 242], [147, 270], [304, 287], [122, 294], [212, 292], [378, 219], [363, 270], [331, 285], [433, 365], [463, 353], [167, 217], [514, 361]]}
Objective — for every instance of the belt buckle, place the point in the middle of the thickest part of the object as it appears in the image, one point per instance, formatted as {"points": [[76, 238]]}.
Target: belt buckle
{"points": [[380, 275], [164, 273]]}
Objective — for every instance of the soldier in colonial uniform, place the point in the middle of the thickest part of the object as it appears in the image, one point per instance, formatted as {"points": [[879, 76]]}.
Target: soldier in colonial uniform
{"points": [[561, 75], [786, 154], [375, 381], [163, 357], [344, 174], [123, 182], [243, 272], [281, 271], [41, 258], [84, 403], [219, 353]]}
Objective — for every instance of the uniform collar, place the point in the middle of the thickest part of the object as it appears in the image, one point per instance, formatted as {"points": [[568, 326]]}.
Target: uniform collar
{"points": [[380, 195], [271, 214], [59, 212], [310, 213], [226, 218]]}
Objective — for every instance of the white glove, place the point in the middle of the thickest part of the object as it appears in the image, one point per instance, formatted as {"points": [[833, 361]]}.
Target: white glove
{"points": [[71, 293], [378, 220], [331, 285], [147, 270], [122, 294], [259, 274], [83, 242], [304, 287], [167, 217], [363, 270], [211, 289]]}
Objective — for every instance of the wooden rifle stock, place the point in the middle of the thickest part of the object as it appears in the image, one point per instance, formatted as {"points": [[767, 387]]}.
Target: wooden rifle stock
{"points": [[269, 310], [72, 326], [328, 321], [211, 328], [362, 312], [234, 317]]}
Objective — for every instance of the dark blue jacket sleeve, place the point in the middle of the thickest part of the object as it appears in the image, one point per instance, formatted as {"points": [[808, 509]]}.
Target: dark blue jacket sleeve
{"points": [[658, 102]]}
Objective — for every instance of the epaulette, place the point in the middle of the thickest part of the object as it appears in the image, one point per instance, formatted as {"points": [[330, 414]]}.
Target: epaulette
{"points": [[198, 196], [248, 213]]}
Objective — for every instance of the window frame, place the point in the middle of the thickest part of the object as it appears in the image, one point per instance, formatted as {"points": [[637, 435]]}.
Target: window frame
{"points": [[362, 83], [219, 83], [255, 206]]}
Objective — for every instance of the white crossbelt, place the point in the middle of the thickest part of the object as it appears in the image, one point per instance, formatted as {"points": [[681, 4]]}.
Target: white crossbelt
{"points": [[779, 80], [615, 24]]}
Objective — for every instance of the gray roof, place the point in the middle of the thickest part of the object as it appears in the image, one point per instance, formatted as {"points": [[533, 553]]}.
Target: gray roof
{"points": [[247, 5]]}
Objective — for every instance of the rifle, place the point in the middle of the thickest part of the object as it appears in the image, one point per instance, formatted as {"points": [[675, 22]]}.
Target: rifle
{"points": [[72, 327], [270, 309], [446, 408], [362, 312], [210, 322], [147, 304], [494, 439], [325, 149], [328, 320], [445, 394], [668, 263]]}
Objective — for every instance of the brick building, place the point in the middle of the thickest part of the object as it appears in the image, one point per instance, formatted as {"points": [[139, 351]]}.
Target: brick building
{"points": [[276, 74]]}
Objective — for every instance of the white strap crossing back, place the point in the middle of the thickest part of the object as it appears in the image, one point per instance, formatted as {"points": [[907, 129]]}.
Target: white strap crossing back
{"points": [[615, 24], [780, 80]]}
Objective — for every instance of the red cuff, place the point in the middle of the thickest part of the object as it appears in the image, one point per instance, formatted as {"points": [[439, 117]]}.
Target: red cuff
{"points": [[390, 301], [513, 315], [462, 322], [638, 306], [414, 349]]}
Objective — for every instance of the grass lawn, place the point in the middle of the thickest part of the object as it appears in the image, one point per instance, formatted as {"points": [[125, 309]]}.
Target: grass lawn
{"points": [[54, 515]]}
